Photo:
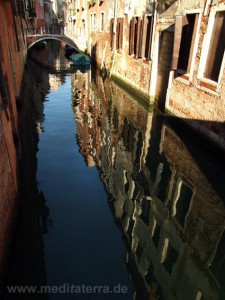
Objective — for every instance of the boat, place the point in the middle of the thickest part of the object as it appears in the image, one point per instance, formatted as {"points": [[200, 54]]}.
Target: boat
{"points": [[80, 59]]}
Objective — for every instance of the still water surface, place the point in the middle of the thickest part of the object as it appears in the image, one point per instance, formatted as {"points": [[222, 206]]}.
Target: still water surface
{"points": [[113, 194]]}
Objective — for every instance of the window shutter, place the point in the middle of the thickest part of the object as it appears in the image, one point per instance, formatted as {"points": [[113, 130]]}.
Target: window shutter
{"points": [[117, 33], [138, 35], [121, 33], [143, 38], [131, 41], [149, 37], [111, 34], [180, 21]]}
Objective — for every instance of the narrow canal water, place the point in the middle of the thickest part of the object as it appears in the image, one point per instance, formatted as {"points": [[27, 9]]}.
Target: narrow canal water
{"points": [[117, 201]]}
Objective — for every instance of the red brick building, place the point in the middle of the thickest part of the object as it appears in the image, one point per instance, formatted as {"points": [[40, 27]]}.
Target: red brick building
{"points": [[12, 60]]}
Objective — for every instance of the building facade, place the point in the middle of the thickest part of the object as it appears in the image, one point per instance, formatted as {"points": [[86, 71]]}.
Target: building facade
{"points": [[12, 62], [168, 52]]}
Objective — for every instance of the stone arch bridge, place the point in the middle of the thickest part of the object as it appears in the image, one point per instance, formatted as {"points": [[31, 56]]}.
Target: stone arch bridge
{"points": [[33, 38]]}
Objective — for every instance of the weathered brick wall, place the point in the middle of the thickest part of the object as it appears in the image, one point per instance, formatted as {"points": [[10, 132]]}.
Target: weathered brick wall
{"points": [[12, 56], [135, 71], [197, 102], [206, 219]]}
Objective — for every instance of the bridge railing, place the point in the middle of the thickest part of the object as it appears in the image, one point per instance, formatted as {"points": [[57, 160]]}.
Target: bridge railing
{"points": [[53, 30]]}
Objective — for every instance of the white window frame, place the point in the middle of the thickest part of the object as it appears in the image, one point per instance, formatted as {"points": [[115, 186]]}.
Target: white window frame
{"points": [[195, 49], [204, 54]]}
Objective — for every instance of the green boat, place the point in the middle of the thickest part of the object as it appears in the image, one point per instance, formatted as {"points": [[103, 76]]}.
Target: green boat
{"points": [[80, 60]]}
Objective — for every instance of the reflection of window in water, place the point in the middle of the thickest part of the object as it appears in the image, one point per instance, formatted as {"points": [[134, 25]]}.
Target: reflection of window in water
{"points": [[126, 182], [128, 135], [165, 176], [156, 234], [140, 142], [199, 296], [155, 290], [130, 229], [145, 211], [182, 202], [116, 119], [169, 256], [139, 251], [218, 263]]}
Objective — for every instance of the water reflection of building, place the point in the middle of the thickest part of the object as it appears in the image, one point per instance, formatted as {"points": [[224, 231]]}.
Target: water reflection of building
{"points": [[171, 215], [56, 65]]}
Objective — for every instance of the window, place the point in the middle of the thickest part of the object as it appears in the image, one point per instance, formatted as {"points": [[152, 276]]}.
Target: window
{"points": [[182, 202], [184, 38], [135, 28], [216, 48], [91, 22], [94, 22], [169, 256], [102, 22], [112, 34], [217, 266], [119, 32], [148, 24], [4, 89], [156, 234], [141, 36]]}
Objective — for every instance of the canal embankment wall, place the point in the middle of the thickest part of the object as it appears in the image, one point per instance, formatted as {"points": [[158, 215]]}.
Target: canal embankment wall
{"points": [[12, 62]]}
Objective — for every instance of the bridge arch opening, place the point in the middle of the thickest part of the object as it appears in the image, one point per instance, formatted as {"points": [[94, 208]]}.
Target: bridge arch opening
{"points": [[66, 41]]}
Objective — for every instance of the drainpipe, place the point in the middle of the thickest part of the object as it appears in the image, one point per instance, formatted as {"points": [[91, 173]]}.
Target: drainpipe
{"points": [[154, 26], [115, 16], [206, 8], [154, 54]]}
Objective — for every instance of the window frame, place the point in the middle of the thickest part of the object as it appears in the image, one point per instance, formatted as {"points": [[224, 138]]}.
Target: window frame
{"points": [[186, 76], [182, 181], [214, 87]]}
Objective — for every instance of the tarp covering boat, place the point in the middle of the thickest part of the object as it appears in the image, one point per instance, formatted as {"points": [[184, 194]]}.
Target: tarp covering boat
{"points": [[80, 59]]}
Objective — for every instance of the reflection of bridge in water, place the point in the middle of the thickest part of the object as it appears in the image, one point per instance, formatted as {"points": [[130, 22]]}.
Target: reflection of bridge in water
{"points": [[36, 35]]}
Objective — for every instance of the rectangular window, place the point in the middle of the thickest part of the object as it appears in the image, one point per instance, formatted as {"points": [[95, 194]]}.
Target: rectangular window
{"points": [[141, 36], [184, 39], [112, 34], [148, 40], [94, 22], [216, 49], [182, 202], [119, 32], [102, 22], [4, 88], [91, 22], [135, 30], [169, 256]]}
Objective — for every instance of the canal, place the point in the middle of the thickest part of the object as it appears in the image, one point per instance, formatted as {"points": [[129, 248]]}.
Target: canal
{"points": [[117, 201]]}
